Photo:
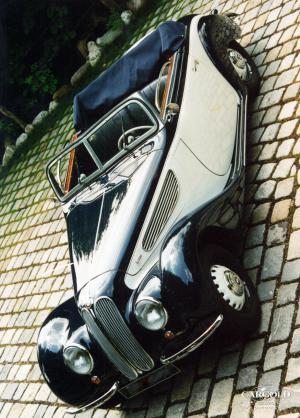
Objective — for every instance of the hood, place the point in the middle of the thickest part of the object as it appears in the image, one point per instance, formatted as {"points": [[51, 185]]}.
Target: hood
{"points": [[104, 223]]}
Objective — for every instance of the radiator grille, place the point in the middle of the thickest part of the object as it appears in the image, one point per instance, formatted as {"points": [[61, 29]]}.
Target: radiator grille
{"points": [[120, 336], [162, 211], [113, 355]]}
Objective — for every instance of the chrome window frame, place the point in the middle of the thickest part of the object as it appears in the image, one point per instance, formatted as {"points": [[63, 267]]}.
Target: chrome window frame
{"points": [[84, 140]]}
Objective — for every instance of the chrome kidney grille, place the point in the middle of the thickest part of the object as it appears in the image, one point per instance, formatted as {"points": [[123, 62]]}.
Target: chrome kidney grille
{"points": [[113, 355], [119, 334], [164, 207], [115, 338]]}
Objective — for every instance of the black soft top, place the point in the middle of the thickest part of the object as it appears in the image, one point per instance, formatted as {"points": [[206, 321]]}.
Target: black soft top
{"points": [[133, 71]]}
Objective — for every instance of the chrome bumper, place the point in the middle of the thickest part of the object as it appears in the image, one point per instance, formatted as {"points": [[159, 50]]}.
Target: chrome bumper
{"points": [[104, 398], [194, 344]]}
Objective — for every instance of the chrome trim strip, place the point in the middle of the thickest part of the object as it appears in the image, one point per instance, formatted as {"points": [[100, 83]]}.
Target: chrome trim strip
{"points": [[195, 344], [104, 398]]}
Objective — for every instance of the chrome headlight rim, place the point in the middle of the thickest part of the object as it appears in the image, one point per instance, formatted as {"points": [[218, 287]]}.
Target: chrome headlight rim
{"points": [[156, 302], [86, 351]]}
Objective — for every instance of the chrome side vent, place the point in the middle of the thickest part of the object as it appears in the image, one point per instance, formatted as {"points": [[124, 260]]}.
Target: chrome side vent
{"points": [[164, 207]]}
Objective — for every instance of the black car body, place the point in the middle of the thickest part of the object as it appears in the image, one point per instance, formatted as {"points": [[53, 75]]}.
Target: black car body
{"points": [[139, 219]]}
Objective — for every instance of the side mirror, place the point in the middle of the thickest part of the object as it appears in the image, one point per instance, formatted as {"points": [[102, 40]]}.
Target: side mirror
{"points": [[172, 110]]}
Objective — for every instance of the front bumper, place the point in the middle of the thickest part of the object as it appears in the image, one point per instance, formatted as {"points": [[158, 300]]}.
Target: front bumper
{"points": [[183, 352], [97, 402], [156, 376]]}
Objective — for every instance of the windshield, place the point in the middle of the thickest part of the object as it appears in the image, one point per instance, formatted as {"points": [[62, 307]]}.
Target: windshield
{"points": [[100, 147]]}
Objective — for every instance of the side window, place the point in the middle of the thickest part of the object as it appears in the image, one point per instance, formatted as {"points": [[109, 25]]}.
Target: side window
{"points": [[71, 168], [123, 128]]}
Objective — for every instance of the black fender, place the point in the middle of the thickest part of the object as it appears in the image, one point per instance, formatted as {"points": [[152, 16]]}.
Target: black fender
{"points": [[63, 326], [183, 290]]}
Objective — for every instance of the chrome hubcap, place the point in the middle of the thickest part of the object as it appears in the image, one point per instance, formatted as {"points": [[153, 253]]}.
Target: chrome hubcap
{"points": [[240, 64], [230, 286]]}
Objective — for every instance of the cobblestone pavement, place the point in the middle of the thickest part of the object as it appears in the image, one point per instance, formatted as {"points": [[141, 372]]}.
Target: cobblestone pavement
{"points": [[33, 259]]}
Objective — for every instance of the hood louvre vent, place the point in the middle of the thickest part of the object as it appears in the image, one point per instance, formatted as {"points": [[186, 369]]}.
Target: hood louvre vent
{"points": [[164, 207]]}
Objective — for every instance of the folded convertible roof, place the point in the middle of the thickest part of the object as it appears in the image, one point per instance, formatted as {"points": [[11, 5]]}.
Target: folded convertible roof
{"points": [[137, 68]]}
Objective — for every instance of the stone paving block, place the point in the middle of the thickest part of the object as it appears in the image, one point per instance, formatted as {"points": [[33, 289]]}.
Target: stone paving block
{"points": [[270, 379], [287, 129], [291, 271], [247, 377], [275, 356], [255, 235], [265, 171], [272, 262], [29, 410], [208, 361], [268, 152], [288, 110], [296, 219], [266, 290], [284, 188], [295, 346], [297, 198], [293, 370], [283, 168], [265, 190], [277, 233], [264, 409], [252, 257], [157, 406], [182, 385], [294, 245], [293, 398], [260, 213], [285, 148], [220, 399], [270, 133], [281, 210], [281, 323], [287, 293], [176, 411], [227, 365], [198, 399], [253, 351], [241, 406], [272, 98]]}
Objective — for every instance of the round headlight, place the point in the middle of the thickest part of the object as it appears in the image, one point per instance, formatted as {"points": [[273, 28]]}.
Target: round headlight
{"points": [[151, 314], [78, 359]]}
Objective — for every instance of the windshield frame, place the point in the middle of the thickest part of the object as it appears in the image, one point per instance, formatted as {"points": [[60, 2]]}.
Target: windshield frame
{"points": [[83, 138]]}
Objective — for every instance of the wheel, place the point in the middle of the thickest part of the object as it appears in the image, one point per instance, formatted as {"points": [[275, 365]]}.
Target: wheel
{"points": [[230, 290], [245, 67], [237, 62]]}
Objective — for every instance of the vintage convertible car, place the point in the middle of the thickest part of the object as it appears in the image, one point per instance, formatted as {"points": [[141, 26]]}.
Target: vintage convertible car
{"points": [[152, 188]]}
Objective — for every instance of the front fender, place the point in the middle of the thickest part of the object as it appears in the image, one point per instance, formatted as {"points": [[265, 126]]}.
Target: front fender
{"points": [[183, 288], [64, 326]]}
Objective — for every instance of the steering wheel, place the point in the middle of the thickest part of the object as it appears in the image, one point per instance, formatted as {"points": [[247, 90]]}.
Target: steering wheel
{"points": [[121, 144]]}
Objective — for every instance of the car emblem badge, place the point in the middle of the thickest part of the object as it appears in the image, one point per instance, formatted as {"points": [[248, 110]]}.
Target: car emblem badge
{"points": [[195, 67], [234, 283]]}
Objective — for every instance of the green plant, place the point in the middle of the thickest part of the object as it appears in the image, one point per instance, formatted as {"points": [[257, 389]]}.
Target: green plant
{"points": [[41, 79], [114, 21], [8, 128]]}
